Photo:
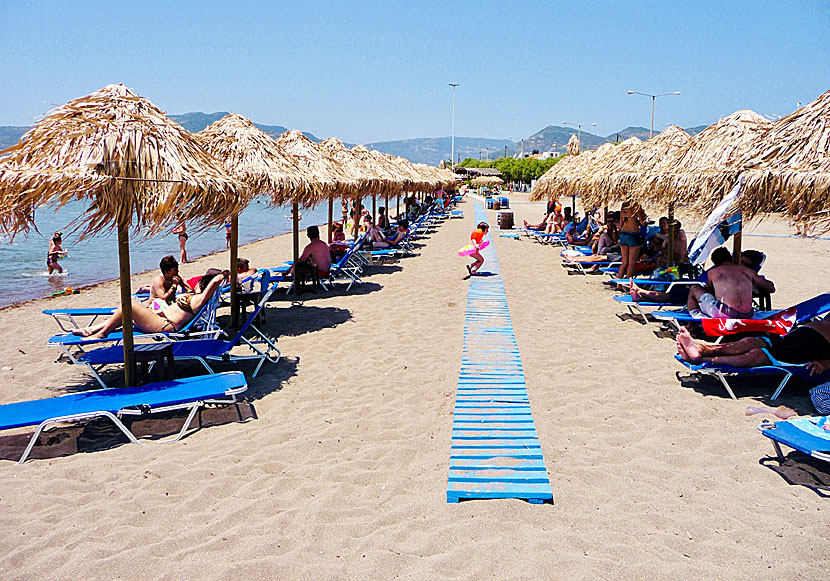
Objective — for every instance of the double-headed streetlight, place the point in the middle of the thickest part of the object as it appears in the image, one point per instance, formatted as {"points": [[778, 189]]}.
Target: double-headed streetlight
{"points": [[579, 129], [452, 151], [653, 99]]}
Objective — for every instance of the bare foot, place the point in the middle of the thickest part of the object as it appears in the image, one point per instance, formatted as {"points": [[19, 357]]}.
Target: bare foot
{"points": [[84, 332], [687, 348], [635, 291]]}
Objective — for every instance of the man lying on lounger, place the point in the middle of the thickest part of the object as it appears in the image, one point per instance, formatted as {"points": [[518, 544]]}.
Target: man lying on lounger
{"points": [[728, 294], [808, 344]]}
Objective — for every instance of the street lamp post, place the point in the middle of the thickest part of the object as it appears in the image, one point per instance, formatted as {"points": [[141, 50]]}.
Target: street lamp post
{"points": [[452, 151], [579, 130], [653, 99], [672, 223]]}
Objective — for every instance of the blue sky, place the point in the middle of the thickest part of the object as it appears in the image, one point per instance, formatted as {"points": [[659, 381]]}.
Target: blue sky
{"points": [[371, 71]]}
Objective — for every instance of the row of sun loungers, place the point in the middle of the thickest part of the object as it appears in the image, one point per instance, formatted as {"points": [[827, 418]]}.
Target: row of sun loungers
{"points": [[200, 340], [808, 435]]}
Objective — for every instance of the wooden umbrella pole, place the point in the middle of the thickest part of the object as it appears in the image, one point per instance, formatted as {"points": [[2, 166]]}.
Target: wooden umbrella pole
{"points": [[736, 246], [126, 299], [234, 258], [295, 220], [736, 240], [331, 216], [374, 207], [397, 205], [387, 207], [672, 234], [573, 207]]}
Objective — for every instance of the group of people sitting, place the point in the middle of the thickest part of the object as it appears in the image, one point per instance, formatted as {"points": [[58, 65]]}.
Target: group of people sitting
{"points": [[626, 237]]}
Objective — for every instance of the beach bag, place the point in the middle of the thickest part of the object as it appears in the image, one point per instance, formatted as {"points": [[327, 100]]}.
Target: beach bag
{"points": [[820, 395]]}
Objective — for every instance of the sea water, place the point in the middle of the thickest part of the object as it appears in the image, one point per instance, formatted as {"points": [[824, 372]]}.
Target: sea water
{"points": [[23, 272]]}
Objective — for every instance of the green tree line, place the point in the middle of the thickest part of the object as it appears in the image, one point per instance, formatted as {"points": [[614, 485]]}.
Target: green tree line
{"points": [[515, 170]]}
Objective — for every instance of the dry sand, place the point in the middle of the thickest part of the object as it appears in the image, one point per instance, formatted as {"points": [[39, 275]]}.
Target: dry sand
{"points": [[343, 474]]}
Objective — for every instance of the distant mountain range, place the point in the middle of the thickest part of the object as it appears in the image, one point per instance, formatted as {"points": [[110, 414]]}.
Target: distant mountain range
{"points": [[430, 150], [556, 137]]}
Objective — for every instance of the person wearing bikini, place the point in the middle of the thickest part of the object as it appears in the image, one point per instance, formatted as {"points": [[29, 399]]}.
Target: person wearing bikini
{"points": [[181, 230], [169, 320], [55, 253]]}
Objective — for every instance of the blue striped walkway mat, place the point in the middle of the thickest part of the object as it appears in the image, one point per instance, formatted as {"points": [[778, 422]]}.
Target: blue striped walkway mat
{"points": [[495, 452]]}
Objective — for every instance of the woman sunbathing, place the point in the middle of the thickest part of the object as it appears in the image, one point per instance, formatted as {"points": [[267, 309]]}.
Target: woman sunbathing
{"points": [[171, 319]]}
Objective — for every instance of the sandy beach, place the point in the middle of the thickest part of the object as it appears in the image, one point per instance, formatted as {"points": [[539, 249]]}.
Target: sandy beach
{"points": [[342, 474]]}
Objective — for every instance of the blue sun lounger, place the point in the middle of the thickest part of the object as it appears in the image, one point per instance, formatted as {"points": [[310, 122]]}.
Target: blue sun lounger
{"points": [[67, 319], [807, 435], [202, 350], [191, 393], [789, 370], [202, 325]]}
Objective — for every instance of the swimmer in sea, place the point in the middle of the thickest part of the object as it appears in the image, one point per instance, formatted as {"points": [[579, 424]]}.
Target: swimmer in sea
{"points": [[55, 252]]}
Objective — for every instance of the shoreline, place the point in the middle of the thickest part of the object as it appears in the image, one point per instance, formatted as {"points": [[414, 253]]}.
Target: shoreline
{"points": [[94, 285]]}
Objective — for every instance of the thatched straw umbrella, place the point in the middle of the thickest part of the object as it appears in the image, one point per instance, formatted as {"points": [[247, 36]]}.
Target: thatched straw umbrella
{"points": [[251, 156], [487, 181], [329, 178], [788, 167], [562, 179], [704, 167], [366, 173], [620, 179], [573, 145], [383, 167], [151, 171], [702, 170]]}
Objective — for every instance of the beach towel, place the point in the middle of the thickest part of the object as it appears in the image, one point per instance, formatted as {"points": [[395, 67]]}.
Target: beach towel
{"points": [[780, 324]]}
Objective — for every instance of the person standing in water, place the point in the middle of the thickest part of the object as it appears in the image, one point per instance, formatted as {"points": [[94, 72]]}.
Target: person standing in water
{"points": [[181, 230], [55, 252]]}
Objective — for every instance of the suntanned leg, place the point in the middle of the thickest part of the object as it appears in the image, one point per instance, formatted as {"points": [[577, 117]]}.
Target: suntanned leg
{"points": [[624, 250], [477, 264], [101, 329], [633, 255], [695, 352], [639, 294]]}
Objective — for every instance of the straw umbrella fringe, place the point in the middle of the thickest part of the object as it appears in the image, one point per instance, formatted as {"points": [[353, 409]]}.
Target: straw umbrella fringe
{"points": [[788, 167], [705, 171], [487, 181]]}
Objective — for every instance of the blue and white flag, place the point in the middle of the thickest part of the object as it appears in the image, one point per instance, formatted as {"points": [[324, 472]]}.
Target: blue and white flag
{"points": [[722, 223]]}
